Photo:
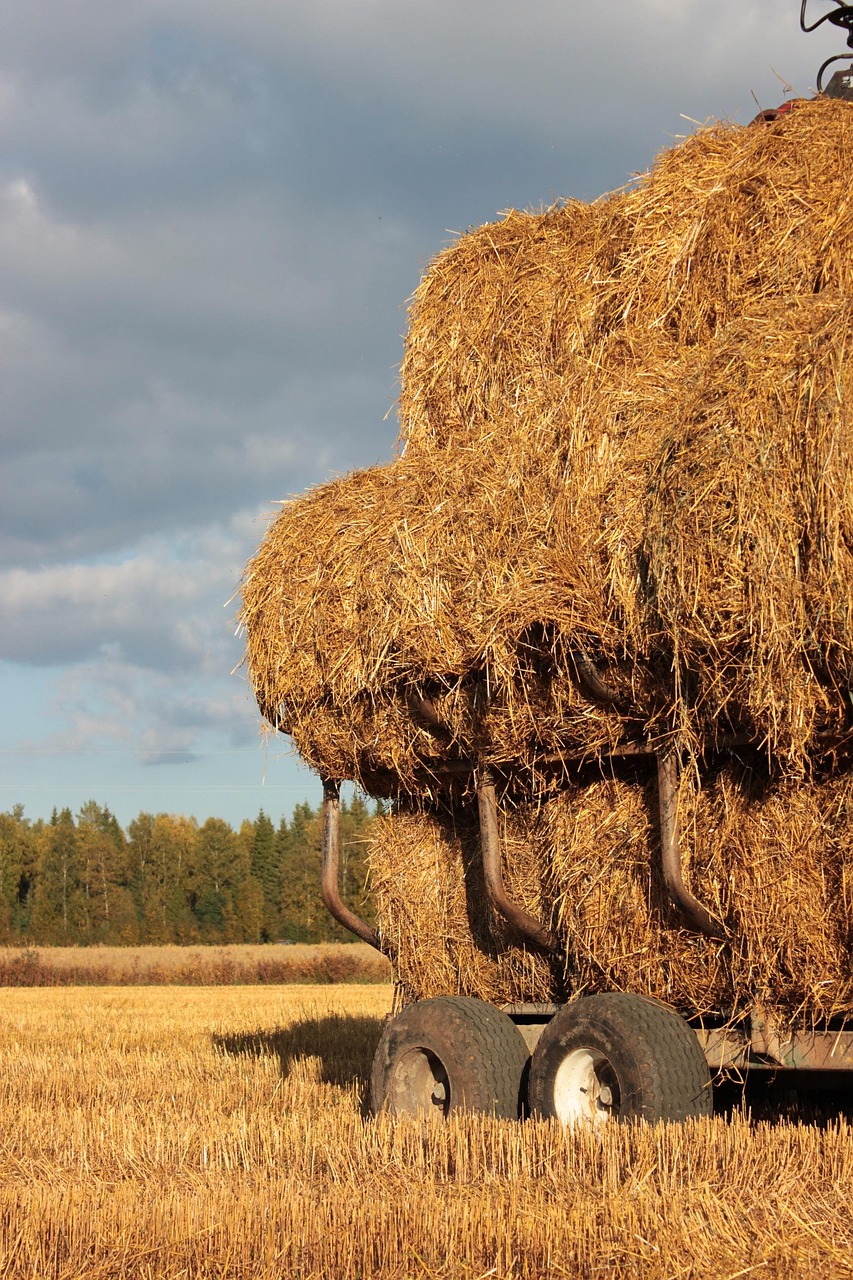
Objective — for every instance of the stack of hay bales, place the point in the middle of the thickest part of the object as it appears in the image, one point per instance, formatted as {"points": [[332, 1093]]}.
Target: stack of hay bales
{"points": [[626, 441], [773, 859]]}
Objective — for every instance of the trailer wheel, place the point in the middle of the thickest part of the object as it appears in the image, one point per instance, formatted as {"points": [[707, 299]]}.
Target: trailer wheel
{"points": [[618, 1057], [449, 1054]]}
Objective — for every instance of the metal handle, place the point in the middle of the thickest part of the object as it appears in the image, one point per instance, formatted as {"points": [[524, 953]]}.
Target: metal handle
{"points": [[527, 925], [670, 846], [335, 905]]}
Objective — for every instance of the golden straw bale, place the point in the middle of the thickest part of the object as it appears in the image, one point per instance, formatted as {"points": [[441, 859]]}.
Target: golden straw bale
{"points": [[625, 437], [749, 528], [427, 882], [394, 585], [500, 326], [725, 220], [773, 861], [765, 858], [732, 217]]}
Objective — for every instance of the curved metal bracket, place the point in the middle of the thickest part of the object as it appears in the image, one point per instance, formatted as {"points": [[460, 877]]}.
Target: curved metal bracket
{"points": [[335, 904], [840, 84], [840, 16], [670, 845], [490, 842], [591, 680]]}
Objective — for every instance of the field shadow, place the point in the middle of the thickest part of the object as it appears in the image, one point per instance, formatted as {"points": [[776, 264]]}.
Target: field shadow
{"points": [[344, 1045]]}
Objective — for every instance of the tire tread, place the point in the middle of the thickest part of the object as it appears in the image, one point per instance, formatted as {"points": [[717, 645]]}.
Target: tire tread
{"points": [[668, 1057], [485, 1040]]}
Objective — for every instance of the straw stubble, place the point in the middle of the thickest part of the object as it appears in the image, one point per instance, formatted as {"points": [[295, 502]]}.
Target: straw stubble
{"points": [[221, 1132]]}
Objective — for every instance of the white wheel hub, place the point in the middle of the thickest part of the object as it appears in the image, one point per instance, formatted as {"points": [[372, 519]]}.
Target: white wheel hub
{"points": [[420, 1083], [586, 1090]]}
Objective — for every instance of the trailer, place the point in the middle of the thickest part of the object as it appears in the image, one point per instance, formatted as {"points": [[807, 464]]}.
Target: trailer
{"points": [[613, 1055]]}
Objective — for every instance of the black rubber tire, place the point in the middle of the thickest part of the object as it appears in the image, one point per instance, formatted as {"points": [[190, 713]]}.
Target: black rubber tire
{"points": [[622, 1057], [453, 1053]]}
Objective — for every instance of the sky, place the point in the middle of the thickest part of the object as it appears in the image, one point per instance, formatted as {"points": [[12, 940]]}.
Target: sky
{"points": [[211, 217]]}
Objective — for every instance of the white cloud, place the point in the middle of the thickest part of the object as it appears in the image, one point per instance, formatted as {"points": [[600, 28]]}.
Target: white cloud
{"points": [[139, 655], [154, 610], [161, 719]]}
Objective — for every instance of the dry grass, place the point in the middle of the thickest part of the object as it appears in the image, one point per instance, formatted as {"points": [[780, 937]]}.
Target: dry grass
{"points": [[221, 1133], [237, 964]]}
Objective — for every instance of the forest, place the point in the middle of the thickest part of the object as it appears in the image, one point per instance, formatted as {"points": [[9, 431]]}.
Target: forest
{"points": [[82, 880]]}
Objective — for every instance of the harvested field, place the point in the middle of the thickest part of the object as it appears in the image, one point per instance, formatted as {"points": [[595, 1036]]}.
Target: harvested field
{"points": [[196, 966], [221, 1133]]}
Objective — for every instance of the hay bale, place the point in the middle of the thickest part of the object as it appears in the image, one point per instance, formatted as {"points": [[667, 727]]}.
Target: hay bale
{"points": [[426, 879], [749, 529], [727, 220], [576, 384], [625, 437], [502, 325], [451, 603], [772, 860]]}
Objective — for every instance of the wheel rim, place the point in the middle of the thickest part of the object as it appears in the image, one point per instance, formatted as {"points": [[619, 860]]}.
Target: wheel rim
{"points": [[420, 1083], [586, 1089]]}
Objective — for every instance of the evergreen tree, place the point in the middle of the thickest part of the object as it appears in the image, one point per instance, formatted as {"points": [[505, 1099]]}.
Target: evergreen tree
{"points": [[248, 893], [174, 845], [58, 914], [304, 917], [298, 850], [265, 870], [16, 856], [221, 868], [173, 881], [161, 855], [109, 907], [140, 858]]}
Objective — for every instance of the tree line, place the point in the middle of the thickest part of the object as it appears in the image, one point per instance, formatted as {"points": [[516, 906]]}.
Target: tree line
{"points": [[80, 880]]}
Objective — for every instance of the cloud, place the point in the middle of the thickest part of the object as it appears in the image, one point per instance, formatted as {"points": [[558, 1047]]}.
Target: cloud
{"points": [[160, 718], [246, 276], [139, 655], [174, 373], [157, 610], [569, 70], [211, 215]]}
